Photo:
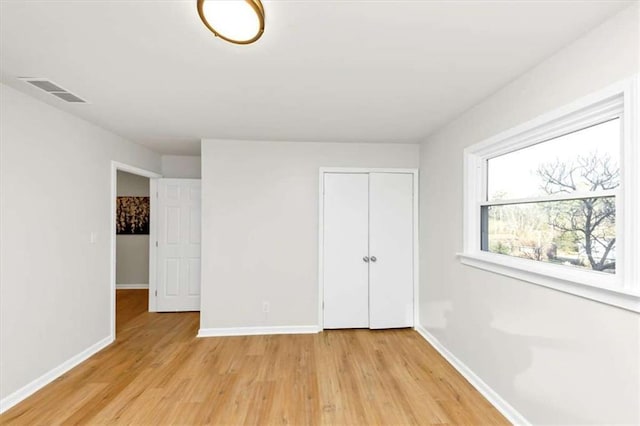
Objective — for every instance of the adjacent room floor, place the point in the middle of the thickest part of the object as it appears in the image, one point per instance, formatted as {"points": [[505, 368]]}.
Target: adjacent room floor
{"points": [[158, 372]]}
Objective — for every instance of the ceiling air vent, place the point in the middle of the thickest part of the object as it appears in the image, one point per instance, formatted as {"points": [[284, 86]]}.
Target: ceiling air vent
{"points": [[53, 89], [69, 97]]}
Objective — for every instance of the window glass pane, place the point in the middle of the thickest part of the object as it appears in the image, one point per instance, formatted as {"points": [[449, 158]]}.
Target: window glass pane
{"points": [[586, 160], [578, 233]]}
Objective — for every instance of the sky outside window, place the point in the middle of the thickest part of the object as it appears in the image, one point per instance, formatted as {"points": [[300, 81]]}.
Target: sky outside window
{"points": [[513, 175]]}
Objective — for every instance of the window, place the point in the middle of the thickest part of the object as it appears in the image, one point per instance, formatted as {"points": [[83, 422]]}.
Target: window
{"points": [[553, 201]]}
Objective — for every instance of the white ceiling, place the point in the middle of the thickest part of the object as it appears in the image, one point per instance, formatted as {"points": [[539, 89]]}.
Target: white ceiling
{"points": [[334, 71]]}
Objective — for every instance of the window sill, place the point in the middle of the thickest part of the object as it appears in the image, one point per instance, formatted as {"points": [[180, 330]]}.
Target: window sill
{"points": [[567, 280]]}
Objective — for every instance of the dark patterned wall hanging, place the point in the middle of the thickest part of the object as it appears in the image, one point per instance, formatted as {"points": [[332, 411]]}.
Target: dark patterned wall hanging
{"points": [[132, 216]]}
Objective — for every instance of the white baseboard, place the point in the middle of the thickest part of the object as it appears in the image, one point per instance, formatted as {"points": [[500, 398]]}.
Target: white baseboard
{"points": [[251, 331], [492, 396], [51, 375], [132, 286]]}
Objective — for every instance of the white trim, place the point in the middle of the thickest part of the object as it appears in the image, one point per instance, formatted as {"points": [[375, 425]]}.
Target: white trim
{"points": [[511, 267], [565, 196], [630, 238], [153, 249], [416, 248], [416, 233], [132, 286], [321, 249], [620, 289], [255, 331], [367, 170], [48, 377], [545, 126], [115, 166], [484, 389]]}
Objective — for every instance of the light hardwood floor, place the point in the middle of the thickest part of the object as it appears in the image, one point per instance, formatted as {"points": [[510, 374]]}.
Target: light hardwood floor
{"points": [[157, 372]]}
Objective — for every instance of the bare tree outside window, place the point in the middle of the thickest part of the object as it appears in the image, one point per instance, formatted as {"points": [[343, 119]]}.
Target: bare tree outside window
{"points": [[577, 231], [590, 222]]}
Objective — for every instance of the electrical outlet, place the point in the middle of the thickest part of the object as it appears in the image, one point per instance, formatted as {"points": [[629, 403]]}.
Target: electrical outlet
{"points": [[265, 307]]}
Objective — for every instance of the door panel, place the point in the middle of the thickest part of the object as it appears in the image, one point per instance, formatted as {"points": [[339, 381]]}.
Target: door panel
{"points": [[346, 289], [173, 225], [194, 277], [391, 243], [178, 272], [172, 277], [194, 225]]}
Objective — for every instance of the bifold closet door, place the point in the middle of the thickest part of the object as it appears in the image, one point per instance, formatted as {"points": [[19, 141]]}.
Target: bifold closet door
{"points": [[391, 245], [346, 228]]}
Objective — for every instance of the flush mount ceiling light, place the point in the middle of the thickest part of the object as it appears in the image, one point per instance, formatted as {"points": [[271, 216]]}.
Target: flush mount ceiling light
{"points": [[236, 21]]}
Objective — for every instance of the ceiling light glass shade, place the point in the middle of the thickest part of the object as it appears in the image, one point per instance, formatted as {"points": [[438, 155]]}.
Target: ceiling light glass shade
{"points": [[236, 21]]}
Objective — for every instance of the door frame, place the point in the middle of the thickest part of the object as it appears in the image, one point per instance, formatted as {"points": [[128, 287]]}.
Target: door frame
{"points": [[115, 167], [416, 234]]}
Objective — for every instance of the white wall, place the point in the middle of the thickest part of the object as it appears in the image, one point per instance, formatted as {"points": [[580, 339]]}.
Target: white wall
{"points": [[260, 226], [132, 251], [55, 173], [556, 358], [181, 166]]}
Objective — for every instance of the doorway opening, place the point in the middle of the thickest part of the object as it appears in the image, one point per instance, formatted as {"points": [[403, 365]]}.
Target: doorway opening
{"points": [[132, 246], [132, 231]]}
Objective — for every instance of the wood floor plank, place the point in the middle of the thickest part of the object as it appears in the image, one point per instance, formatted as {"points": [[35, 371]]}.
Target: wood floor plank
{"points": [[157, 372]]}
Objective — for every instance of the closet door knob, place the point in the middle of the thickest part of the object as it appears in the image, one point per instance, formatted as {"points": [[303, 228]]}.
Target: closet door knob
{"points": [[366, 259], [373, 258]]}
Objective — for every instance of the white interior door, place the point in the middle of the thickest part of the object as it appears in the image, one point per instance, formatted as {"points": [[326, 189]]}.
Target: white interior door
{"points": [[178, 253], [391, 250], [346, 288]]}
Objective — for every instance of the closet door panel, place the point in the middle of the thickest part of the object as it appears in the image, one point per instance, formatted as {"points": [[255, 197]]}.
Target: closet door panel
{"points": [[391, 244], [346, 292]]}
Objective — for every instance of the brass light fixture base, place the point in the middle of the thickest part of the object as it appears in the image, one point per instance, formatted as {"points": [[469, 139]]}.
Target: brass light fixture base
{"points": [[257, 7]]}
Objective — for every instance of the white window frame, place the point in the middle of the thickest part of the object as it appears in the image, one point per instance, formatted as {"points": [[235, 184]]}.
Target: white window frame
{"points": [[621, 289]]}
